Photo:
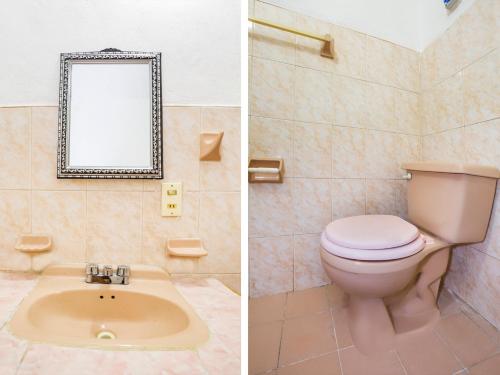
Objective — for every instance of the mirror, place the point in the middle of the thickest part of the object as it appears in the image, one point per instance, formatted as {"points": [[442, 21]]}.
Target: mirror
{"points": [[110, 116]]}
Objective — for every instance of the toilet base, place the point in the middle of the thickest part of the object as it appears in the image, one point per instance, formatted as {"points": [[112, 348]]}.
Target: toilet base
{"points": [[376, 322]]}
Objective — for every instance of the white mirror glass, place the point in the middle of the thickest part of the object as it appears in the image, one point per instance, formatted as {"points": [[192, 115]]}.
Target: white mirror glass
{"points": [[109, 115]]}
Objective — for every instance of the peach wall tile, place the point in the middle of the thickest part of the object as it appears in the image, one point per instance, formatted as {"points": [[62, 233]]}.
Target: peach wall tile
{"points": [[15, 145], [407, 112], [313, 96], [348, 152], [271, 138], [181, 148], [11, 353], [384, 197], [307, 50], [348, 198], [308, 270], [114, 227], [474, 276], [401, 197], [312, 205], [223, 175], [44, 152], [444, 105], [379, 104], [61, 214], [444, 146], [15, 219], [219, 228], [157, 229], [348, 101], [116, 185], [407, 66], [482, 143], [270, 209], [482, 89], [385, 152], [270, 265], [270, 43], [349, 52], [379, 62], [428, 69], [491, 244], [479, 30], [312, 144], [442, 58], [271, 89]]}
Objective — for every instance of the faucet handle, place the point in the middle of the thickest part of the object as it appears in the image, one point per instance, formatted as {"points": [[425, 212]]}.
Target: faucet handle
{"points": [[123, 271], [107, 271], [92, 269]]}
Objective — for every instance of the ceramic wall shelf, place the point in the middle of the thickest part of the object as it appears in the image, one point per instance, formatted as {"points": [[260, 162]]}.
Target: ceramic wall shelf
{"points": [[186, 247], [34, 243]]}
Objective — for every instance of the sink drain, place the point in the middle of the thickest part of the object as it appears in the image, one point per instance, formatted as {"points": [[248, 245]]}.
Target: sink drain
{"points": [[106, 335]]}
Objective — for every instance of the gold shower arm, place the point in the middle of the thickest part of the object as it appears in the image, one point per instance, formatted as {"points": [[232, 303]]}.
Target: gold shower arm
{"points": [[326, 51]]}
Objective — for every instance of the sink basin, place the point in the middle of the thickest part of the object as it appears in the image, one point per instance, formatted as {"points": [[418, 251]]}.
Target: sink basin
{"points": [[149, 313]]}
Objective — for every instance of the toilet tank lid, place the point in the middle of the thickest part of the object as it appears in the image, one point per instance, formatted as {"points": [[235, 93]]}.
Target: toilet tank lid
{"points": [[443, 167]]}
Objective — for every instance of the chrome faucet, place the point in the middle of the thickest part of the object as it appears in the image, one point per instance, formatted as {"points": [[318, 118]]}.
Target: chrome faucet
{"points": [[107, 276]]}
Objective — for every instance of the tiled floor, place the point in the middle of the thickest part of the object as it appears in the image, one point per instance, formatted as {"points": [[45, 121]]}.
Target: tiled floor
{"points": [[305, 332]]}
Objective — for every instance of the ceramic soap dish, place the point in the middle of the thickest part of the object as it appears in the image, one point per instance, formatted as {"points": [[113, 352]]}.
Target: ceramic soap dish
{"points": [[34, 243], [186, 247]]}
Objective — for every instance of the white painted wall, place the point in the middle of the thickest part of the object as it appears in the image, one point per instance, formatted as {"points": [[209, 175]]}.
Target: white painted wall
{"points": [[199, 39], [434, 19], [410, 23]]}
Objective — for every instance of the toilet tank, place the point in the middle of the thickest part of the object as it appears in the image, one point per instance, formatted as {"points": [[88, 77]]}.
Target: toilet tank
{"points": [[452, 201]]}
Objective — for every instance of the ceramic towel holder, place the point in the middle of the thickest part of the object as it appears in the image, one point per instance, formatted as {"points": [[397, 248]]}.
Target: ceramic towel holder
{"points": [[34, 243], [266, 170], [210, 146]]}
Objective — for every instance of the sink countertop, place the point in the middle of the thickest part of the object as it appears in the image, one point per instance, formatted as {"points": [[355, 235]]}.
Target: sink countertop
{"points": [[212, 301]]}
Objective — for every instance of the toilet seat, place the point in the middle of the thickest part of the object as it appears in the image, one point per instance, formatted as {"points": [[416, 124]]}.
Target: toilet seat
{"points": [[372, 237]]}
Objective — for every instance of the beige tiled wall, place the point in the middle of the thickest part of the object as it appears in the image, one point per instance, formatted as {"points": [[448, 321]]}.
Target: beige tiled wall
{"points": [[119, 221], [461, 122], [343, 128]]}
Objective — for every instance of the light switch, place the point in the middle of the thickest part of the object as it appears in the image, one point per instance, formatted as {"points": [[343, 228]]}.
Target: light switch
{"points": [[171, 199]]}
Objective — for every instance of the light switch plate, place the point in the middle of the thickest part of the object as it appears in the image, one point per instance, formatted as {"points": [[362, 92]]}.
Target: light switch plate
{"points": [[171, 199]]}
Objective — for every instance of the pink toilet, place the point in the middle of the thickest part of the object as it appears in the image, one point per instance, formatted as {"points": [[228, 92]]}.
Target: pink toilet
{"points": [[391, 269]]}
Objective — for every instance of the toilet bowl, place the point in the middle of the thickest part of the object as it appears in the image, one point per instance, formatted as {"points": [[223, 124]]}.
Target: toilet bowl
{"points": [[385, 296], [391, 269]]}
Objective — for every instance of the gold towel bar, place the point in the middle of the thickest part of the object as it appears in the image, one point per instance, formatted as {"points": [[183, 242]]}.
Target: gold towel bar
{"points": [[326, 51]]}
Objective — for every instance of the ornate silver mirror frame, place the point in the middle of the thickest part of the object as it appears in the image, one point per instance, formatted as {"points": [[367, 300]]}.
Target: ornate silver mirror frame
{"points": [[154, 167]]}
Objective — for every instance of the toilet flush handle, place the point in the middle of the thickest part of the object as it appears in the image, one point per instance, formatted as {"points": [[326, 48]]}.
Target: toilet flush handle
{"points": [[407, 176]]}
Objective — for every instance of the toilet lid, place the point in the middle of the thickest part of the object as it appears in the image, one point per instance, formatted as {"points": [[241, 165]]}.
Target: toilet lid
{"points": [[374, 254], [371, 232]]}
